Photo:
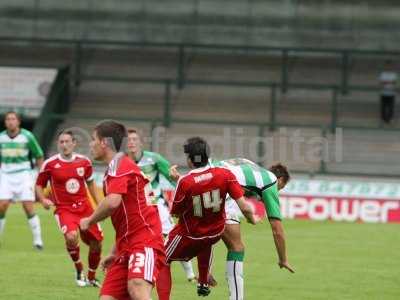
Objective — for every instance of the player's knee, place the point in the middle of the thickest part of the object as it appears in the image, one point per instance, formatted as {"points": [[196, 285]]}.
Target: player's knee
{"points": [[29, 209], [71, 238], [139, 289], [107, 298], [3, 208]]}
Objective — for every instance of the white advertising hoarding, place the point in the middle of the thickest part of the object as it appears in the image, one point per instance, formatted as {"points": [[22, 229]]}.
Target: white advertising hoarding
{"points": [[25, 89]]}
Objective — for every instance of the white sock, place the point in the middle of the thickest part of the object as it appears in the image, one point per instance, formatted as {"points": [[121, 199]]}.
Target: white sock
{"points": [[2, 224], [234, 277], [34, 223], [188, 268]]}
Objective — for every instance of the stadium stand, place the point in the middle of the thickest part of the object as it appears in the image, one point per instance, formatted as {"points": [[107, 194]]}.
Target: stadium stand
{"points": [[255, 22], [203, 89]]}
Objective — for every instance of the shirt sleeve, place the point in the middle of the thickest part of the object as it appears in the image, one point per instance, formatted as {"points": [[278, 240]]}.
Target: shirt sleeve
{"points": [[235, 190], [163, 166], [43, 176], [270, 198], [34, 146], [89, 176], [178, 204], [117, 185]]}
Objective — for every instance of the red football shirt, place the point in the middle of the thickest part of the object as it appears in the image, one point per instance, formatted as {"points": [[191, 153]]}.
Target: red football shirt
{"points": [[68, 180], [136, 222], [199, 200]]}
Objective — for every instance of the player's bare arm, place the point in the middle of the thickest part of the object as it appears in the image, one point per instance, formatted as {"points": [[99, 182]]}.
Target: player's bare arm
{"points": [[103, 211], [109, 259], [246, 210], [280, 243], [174, 173], [39, 162], [93, 191], [46, 202]]}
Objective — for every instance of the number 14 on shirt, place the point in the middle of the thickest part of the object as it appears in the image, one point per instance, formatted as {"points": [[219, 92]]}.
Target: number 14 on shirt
{"points": [[210, 200]]}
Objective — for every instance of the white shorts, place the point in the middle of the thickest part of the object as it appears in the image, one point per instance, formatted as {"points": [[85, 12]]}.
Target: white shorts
{"points": [[17, 186], [233, 212], [167, 223]]}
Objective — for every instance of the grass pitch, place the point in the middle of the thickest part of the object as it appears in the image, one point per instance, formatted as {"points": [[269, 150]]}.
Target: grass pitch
{"points": [[332, 261]]}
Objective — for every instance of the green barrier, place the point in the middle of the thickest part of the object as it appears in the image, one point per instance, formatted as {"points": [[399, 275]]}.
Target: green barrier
{"points": [[57, 103]]}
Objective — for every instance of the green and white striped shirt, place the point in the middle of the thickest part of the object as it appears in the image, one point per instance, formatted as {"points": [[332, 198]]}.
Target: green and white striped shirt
{"points": [[153, 165], [256, 179], [15, 152]]}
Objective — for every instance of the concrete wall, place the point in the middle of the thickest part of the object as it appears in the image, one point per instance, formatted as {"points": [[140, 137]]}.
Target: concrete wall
{"points": [[354, 24]]}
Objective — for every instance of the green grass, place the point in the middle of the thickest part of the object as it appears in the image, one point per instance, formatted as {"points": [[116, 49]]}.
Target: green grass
{"points": [[332, 261]]}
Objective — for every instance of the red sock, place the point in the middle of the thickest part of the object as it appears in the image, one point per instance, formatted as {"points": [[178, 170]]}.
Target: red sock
{"points": [[164, 283], [203, 262], [74, 254], [94, 260]]}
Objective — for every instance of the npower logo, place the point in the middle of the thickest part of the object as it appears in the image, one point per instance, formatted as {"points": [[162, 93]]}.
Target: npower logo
{"points": [[341, 209]]}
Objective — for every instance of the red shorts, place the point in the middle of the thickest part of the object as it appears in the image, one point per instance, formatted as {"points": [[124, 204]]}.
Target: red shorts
{"points": [[69, 221], [180, 247], [140, 263]]}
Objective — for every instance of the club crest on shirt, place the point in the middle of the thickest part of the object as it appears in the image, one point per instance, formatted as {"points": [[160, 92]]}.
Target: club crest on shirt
{"points": [[80, 171], [72, 186]]}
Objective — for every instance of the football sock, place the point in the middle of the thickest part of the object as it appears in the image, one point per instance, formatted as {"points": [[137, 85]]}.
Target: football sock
{"points": [[74, 254], [164, 283], [2, 223], [234, 275], [188, 268], [34, 224], [94, 260], [204, 263]]}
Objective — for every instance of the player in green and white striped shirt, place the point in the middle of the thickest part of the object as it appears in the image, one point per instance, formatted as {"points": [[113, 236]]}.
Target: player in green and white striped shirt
{"points": [[154, 165], [265, 184], [17, 147]]}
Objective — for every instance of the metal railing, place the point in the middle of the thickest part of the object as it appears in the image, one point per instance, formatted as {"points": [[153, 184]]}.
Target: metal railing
{"points": [[342, 86]]}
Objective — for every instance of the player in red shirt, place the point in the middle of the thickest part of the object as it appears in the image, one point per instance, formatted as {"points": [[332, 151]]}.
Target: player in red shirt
{"points": [[138, 253], [199, 202], [70, 175]]}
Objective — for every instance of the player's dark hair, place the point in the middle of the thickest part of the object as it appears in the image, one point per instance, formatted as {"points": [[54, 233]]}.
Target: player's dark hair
{"points": [[280, 171], [11, 112], [68, 132], [197, 150], [114, 131]]}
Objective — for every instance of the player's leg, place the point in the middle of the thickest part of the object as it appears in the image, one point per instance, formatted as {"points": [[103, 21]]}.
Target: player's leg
{"points": [[3, 210], [94, 258], [188, 269], [204, 260], [93, 238], [167, 224], [73, 249], [233, 241], [115, 281], [139, 289], [164, 282], [27, 196], [6, 195], [234, 263], [144, 269], [69, 226], [107, 298], [34, 223]]}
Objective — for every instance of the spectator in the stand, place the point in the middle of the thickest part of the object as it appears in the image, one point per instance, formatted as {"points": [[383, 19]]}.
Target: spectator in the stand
{"points": [[388, 79]]}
